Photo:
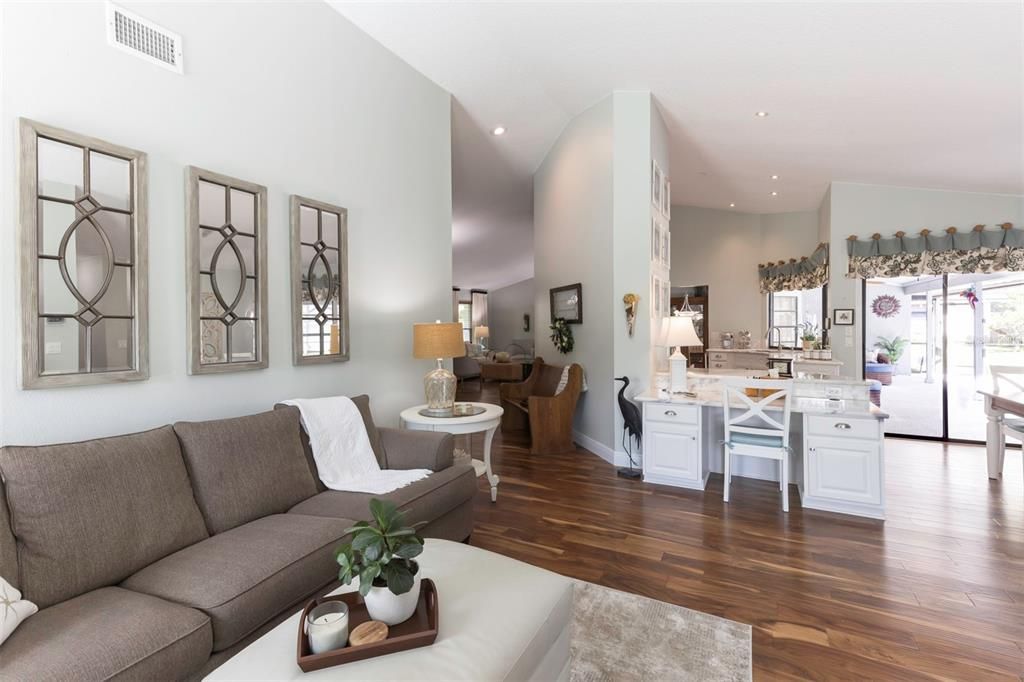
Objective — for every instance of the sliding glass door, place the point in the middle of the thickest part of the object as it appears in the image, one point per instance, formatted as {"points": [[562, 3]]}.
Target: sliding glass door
{"points": [[931, 341], [903, 334]]}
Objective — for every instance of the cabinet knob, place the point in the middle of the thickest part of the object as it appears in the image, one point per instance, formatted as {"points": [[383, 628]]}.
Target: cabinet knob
{"points": [[670, 413], [843, 426]]}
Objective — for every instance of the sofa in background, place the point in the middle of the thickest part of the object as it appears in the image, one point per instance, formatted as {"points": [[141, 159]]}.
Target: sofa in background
{"points": [[158, 555]]}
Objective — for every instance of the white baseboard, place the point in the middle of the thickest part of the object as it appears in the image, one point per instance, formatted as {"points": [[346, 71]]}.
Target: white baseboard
{"points": [[622, 459], [599, 449]]}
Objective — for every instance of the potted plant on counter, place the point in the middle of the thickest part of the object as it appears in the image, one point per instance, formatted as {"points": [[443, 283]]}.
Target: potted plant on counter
{"points": [[381, 554], [809, 337]]}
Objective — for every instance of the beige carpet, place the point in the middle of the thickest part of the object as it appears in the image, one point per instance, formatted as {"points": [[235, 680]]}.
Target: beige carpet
{"points": [[619, 636]]}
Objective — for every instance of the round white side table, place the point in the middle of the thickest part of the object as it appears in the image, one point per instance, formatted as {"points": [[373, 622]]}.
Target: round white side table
{"points": [[486, 422]]}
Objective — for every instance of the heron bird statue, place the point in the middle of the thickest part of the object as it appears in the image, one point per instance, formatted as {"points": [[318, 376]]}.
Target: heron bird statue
{"points": [[633, 429]]}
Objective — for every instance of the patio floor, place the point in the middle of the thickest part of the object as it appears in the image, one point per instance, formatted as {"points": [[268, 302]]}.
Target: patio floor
{"points": [[915, 407]]}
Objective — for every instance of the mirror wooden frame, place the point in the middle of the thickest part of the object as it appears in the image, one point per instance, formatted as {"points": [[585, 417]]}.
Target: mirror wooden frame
{"points": [[32, 343], [193, 176], [297, 274]]}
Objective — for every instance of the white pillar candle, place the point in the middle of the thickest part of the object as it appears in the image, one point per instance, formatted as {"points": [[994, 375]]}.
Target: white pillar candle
{"points": [[328, 632]]}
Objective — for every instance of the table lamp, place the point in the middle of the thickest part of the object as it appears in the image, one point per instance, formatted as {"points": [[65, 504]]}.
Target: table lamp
{"points": [[679, 332], [481, 333], [438, 341]]}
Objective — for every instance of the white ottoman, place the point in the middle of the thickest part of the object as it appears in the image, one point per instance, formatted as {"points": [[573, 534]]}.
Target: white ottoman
{"points": [[499, 619]]}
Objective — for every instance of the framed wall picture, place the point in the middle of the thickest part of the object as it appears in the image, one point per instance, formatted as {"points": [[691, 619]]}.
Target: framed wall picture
{"points": [[320, 331], [657, 184], [666, 199], [84, 259], [842, 317], [226, 249], [567, 303]]}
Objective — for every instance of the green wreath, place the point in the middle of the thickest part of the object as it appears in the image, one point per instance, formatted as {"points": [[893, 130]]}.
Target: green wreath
{"points": [[561, 335]]}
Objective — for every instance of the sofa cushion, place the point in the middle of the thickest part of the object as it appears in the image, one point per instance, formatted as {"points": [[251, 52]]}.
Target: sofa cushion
{"points": [[90, 514], [247, 467], [8, 548], [109, 633], [362, 403], [245, 576], [422, 501]]}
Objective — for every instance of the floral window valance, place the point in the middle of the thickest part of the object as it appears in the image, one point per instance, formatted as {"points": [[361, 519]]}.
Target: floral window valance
{"points": [[927, 253], [810, 272]]}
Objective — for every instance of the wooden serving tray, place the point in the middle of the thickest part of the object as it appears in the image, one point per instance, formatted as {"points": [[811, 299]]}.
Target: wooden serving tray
{"points": [[420, 630]]}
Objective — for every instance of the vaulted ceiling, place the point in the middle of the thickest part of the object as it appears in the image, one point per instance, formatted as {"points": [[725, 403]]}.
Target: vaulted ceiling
{"points": [[901, 93]]}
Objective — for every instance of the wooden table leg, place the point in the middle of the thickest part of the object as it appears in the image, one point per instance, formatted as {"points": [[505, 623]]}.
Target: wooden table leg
{"points": [[491, 477], [995, 443]]}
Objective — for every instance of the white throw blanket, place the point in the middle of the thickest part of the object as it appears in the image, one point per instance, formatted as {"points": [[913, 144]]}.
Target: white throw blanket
{"points": [[341, 448]]}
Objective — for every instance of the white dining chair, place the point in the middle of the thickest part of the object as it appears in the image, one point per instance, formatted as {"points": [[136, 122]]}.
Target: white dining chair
{"points": [[1009, 379], [751, 431]]}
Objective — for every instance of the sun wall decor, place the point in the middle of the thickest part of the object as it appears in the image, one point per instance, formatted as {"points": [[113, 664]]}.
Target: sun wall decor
{"points": [[885, 305]]}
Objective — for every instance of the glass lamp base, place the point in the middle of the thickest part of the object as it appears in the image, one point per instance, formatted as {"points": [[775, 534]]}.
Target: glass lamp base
{"points": [[439, 387]]}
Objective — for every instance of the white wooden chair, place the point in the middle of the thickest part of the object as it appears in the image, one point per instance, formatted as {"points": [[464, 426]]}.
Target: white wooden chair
{"points": [[751, 431], [1009, 379]]}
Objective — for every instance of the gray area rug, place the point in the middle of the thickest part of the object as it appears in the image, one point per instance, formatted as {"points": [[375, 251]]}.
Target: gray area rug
{"points": [[619, 636]]}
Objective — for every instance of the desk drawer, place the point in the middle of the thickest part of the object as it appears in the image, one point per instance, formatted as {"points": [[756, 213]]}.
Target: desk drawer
{"points": [[718, 356], [719, 365], [842, 427], [675, 414]]}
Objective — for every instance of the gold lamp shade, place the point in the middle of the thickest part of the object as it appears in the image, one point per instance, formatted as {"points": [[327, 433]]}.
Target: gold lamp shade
{"points": [[432, 340]]}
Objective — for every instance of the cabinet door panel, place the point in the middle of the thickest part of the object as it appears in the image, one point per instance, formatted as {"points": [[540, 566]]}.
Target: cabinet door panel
{"points": [[844, 469], [673, 452]]}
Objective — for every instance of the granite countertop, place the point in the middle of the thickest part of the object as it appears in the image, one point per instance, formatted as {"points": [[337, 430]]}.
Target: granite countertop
{"points": [[711, 396], [774, 352]]}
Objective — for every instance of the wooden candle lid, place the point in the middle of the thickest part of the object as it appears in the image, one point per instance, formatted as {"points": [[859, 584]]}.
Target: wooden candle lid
{"points": [[368, 632]]}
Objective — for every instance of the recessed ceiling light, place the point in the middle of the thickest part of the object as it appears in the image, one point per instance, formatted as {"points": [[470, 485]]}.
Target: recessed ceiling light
{"points": [[500, 130], [775, 194], [775, 177], [761, 114], [732, 205]]}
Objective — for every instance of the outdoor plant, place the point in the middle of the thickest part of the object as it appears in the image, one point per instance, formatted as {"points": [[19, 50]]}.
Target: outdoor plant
{"points": [[381, 553], [893, 347], [561, 336]]}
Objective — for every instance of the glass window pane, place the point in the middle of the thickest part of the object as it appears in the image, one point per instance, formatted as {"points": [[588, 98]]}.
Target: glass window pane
{"points": [[211, 204], [54, 296], [62, 338], [243, 211], [60, 169], [110, 181], [308, 232], [118, 299], [117, 227], [54, 220], [330, 228], [243, 341], [214, 342], [112, 345]]}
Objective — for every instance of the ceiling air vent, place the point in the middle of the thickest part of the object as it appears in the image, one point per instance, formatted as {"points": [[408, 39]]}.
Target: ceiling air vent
{"points": [[142, 38]]}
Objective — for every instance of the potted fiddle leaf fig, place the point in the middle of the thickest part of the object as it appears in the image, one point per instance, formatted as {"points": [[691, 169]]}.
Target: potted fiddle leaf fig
{"points": [[382, 555]]}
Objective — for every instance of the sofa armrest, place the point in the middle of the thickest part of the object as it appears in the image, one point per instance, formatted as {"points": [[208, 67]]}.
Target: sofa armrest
{"points": [[405, 449]]}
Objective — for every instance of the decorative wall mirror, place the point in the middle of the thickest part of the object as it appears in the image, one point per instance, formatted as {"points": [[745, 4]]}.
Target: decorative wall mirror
{"points": [[84, 273], [227, 273], [319, 281]]}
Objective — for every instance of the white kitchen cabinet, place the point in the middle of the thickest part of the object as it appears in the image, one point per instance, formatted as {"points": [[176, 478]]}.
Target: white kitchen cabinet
{"points": [[673, 453], [844, 465]]}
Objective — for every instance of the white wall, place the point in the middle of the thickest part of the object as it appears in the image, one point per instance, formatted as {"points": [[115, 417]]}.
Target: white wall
{"points": [[505, 310], [572, 237], [722, 249], [289, 95], [863, 210]]}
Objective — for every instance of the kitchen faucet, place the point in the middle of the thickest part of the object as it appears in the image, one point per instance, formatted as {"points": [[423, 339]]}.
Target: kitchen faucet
{"points": [[779, 328]]}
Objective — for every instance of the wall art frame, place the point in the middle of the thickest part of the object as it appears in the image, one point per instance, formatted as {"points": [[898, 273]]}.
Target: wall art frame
{"points": [[328, 308], [567, 303], [211, 318], [128, 251]]}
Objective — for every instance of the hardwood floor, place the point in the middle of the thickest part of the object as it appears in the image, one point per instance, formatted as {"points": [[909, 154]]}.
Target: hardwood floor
{"points": [[934, 592]]}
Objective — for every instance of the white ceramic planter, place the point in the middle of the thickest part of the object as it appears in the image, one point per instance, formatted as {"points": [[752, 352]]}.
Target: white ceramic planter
{"points": [[392, 609]]}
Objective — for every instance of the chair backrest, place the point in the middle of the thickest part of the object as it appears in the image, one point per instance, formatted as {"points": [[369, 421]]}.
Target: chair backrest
{"points": [[1007, 378], [746, 414]]}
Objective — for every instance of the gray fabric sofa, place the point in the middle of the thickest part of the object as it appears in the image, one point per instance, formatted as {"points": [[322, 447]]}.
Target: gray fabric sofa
{"points": [[158, 555]]}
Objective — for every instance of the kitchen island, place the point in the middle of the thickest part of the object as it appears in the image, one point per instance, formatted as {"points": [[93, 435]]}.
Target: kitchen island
{"points": [[836, 438]]}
